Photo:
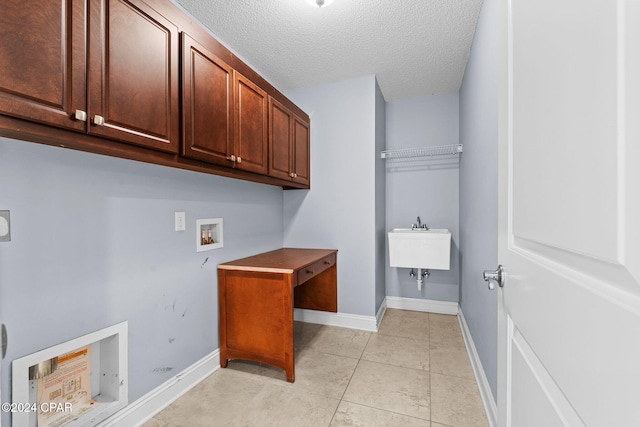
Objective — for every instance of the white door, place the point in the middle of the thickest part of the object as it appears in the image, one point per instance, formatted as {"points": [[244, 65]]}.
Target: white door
{"points": [[569, 312]]}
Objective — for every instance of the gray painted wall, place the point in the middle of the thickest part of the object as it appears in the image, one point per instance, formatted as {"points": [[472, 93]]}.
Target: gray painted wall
{"points": [[479, 187], [424, 188], [93, 244], [340, 211], [380, 194]]}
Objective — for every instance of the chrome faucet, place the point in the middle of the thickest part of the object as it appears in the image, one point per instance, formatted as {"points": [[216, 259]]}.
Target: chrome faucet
{"points": [[419, 225]]}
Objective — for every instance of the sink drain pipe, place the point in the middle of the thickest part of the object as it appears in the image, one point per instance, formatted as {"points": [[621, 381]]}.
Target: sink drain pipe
{"points": [[419, 276]]}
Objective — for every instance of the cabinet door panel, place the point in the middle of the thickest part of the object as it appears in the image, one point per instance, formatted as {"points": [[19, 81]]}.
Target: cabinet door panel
{"points": [[280, 127], [251, 125], [133, 75], [301, 138], [42, 65], [207, 104]]}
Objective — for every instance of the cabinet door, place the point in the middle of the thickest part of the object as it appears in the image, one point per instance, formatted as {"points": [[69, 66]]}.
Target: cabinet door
{"points": [[133, 75], [251, 126], [301, 154], [42, 62], [280, 140], [207, 104]]}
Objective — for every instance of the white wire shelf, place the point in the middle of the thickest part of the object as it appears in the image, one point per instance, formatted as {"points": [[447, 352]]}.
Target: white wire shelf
{"points": [[440, 151]]}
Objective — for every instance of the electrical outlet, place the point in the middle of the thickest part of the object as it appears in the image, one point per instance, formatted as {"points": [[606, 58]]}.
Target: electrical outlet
{"points": [[181, 222], [5, 226]]}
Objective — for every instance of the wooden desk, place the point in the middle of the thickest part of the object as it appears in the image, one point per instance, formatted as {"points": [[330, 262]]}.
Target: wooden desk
{"points": [[256, 297]]}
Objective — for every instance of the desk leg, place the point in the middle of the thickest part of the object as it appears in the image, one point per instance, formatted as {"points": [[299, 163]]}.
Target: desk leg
{"points": [[288, 326], [222, 318], [256, 318]]}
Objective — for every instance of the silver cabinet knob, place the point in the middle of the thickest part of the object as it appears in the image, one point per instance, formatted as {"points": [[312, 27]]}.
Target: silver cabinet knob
{"points": [[98, 120], [493, 277], [239, 159], [232, 158], [80, 115]]}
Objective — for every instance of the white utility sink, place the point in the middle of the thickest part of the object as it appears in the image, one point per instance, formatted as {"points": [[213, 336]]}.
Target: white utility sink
{"points": [[420, 248]]}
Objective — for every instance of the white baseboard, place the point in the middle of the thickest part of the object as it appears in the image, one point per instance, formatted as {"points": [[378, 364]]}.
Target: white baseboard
{"points": [[416, 304], [353, 321], [143, 409], [485, 391]]}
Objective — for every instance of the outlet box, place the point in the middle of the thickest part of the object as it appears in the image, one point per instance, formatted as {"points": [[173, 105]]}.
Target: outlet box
{"points": [[5, 226], [181, 221]]}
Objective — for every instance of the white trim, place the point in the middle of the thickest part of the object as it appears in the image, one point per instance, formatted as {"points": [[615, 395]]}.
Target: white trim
{"points": [[416, 304], [485, 391], [344, 320], [109, 347], [143, 409]]}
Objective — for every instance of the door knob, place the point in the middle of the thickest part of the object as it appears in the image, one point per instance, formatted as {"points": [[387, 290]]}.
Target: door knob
{"points": [[98, 120], [493, 277]]}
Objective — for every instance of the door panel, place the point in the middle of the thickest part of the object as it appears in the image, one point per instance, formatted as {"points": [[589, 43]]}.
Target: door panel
{"points": [[133, 75], [541, 402], [42, 45], [251, 125], [207, 104], [565, 118], [280, 127], [570, 214], [301, 155]]}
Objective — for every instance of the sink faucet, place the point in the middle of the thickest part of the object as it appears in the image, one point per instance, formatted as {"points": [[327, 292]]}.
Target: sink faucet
{"points": [[419, 225]]}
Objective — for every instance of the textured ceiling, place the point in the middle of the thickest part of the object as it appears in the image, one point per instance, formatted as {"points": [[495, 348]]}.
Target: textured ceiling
{"points": [[414, 47]]}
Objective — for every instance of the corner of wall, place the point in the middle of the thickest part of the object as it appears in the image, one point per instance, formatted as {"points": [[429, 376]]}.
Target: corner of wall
{"points": [[479, 187]]}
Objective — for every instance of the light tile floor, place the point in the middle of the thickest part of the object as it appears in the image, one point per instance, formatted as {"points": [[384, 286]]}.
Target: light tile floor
{"points": [[415, 371]]}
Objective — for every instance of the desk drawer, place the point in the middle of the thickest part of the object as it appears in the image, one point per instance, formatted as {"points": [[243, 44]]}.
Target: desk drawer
{"points": [[316, 268]]}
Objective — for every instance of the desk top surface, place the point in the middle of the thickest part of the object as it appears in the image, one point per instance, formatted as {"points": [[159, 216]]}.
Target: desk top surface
{"points": [[285, 260]]}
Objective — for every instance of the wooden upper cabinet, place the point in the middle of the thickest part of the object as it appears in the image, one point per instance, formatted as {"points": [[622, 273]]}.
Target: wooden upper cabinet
{"points": [[250, 148], [42, 61], [288, 144], [112, 71], [133, 75], [130, 92], [207, 104], [301, 151], [224, 114]]}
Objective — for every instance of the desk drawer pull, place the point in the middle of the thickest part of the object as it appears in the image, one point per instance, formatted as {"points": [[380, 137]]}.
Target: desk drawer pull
{"points": [[309, 271], [327, 263]]}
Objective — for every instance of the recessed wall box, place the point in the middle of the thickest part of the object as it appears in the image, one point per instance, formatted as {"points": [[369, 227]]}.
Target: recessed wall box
{"points": [[208, 234]]}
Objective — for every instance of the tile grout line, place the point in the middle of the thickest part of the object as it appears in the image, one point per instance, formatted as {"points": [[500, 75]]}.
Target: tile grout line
{"points": [[350, 378]]}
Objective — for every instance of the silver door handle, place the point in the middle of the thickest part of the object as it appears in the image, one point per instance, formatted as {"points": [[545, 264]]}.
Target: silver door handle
{"points": [[493, 277], [98, 120]]}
